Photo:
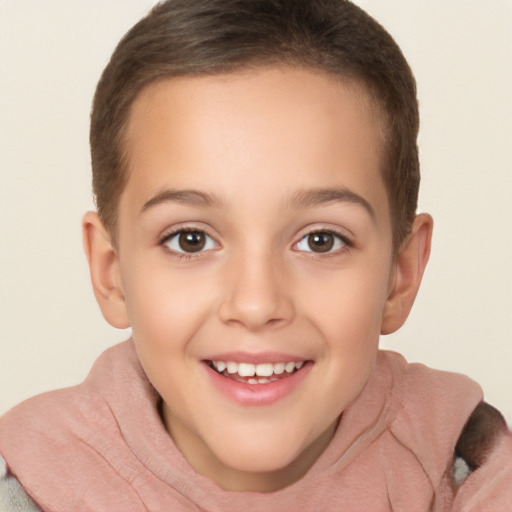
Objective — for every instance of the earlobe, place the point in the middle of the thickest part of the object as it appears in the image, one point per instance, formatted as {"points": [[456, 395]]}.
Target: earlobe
{"points": [[105, 271], [410, 264]]}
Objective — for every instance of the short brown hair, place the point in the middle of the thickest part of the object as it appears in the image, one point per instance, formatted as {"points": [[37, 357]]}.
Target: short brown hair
{"points": [[194, 37]]}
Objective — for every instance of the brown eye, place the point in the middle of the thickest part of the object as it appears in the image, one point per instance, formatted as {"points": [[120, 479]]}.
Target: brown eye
{"points": [[321, 242], [189, 242], [192, 241]]}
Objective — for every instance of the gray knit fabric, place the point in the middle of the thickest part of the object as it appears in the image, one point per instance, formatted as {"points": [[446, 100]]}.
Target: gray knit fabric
{"points": [[12, 496]]}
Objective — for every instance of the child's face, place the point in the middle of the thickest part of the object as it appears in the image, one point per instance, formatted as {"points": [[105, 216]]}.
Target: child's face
{"points": [[274, 176]]}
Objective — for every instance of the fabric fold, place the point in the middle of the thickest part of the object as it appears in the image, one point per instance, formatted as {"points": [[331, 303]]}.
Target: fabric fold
{"points": [[102, 446]]}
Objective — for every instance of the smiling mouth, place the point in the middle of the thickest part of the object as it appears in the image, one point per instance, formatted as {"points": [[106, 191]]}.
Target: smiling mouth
{"points": [[249, 373]]}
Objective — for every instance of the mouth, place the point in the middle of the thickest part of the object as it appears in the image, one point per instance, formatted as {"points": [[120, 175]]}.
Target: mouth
{"points": [[250, 373], [257, 383]]}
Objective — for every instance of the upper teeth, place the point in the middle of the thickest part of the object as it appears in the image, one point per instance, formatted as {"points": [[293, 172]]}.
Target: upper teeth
{"points": [[261, 370]]}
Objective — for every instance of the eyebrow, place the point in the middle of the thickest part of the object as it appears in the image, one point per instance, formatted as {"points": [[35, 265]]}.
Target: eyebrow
{"points": [[322, 196], [300, 200], [187, 197]]}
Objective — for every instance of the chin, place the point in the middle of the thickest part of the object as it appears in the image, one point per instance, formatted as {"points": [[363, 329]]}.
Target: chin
{"points": [[264, 462], [263, 456]]}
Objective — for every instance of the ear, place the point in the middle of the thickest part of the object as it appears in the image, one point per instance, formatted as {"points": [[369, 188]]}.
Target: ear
{"points": [[409, 265], [105, 271]]}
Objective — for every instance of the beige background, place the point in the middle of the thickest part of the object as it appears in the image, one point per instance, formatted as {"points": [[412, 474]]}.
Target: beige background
{"points": [[51, 55]]}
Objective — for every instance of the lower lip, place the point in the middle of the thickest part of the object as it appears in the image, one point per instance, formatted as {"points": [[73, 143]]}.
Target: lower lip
{"points": [[258, 394]]}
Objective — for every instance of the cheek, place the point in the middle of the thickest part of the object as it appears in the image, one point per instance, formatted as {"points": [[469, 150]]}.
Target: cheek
{"points": [[348, 305], [166, 307]]}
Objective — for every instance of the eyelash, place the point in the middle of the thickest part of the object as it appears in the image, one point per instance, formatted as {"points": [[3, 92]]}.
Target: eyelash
{"points": [[347, 243], [180, 256]]}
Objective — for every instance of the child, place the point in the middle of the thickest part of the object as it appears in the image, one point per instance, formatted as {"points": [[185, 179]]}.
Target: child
{"points": [[256, 176]]}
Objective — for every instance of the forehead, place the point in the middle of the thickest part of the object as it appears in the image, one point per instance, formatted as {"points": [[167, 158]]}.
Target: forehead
{"points": [[286, 127]]}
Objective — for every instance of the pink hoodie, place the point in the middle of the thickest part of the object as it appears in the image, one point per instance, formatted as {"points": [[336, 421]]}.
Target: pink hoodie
{"points": [[101, 446]]}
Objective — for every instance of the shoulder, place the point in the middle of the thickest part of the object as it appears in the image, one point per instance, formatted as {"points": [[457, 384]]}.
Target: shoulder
{"points": [[52, 415], [459, 440], [434, 403], [62, 420], [12, 496], [47, 417], [37, 433], [34, 438], [82, 432], [434, 407]]}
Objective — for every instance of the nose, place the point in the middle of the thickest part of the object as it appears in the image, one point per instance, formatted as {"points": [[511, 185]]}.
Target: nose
{"points": [[256, 294]]}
